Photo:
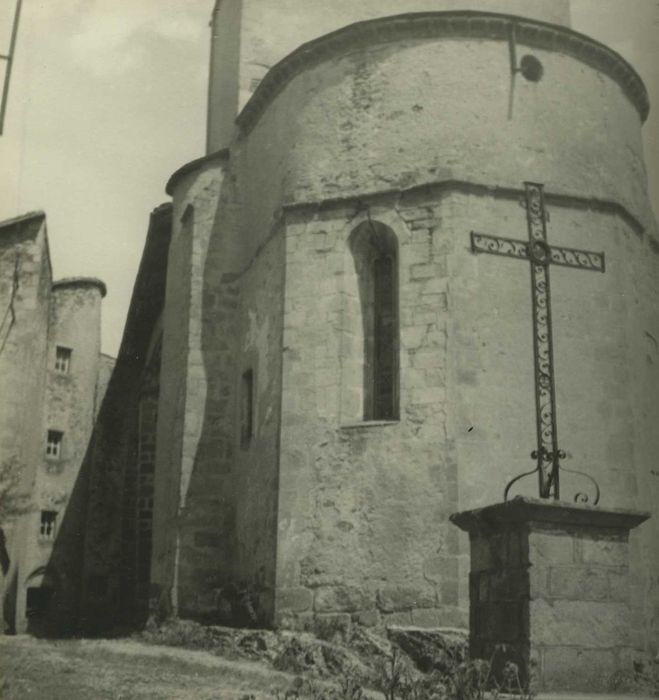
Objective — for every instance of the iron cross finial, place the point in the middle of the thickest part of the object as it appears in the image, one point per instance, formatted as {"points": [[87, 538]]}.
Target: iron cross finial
{"points": [[541, 256]]}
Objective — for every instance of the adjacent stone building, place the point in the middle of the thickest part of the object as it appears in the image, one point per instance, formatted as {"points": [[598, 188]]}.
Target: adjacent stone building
{"points": [[317, 371], [52, 377], [117, 493]]}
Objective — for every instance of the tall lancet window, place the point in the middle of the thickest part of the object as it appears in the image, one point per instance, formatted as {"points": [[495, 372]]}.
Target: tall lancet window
{"points": [[375, 252]]}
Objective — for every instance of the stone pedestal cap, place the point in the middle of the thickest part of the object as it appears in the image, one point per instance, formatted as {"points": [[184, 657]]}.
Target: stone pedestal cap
{"points": [[521, 510]]}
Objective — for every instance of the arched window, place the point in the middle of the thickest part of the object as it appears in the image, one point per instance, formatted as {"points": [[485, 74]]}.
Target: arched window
{"points": [[374, 249]]}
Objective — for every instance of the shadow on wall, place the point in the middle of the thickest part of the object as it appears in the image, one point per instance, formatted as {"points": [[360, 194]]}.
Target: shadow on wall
{"points": [[229, 481], [96, 578], [45, 599]]}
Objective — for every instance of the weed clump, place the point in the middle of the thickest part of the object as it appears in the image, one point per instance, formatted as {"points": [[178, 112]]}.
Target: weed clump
{"points": [[465, 679]]}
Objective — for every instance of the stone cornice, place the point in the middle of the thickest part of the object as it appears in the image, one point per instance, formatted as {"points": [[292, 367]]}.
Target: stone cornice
{"points": [[431, 25], [437, 188], [92, 282], [221, 155], [521, 510]]}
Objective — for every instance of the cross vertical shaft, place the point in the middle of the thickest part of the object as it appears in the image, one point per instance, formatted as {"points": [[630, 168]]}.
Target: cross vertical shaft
{"points": [[541, 256], [543, 348]]}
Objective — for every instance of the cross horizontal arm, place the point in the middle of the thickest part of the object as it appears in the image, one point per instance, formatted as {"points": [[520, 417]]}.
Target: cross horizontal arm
{"points": [[573, 257], [496, 245], [556, 255]]}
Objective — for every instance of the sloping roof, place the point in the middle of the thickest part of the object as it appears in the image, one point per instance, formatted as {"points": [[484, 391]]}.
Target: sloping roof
{"points": [[22, 218], [149, 290]]}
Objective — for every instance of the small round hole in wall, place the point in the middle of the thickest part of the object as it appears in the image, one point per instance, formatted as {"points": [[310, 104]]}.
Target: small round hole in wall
{"points": [[531, 68]]}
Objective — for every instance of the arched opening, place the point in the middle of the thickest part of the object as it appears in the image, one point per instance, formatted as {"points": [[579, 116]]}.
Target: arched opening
{"points": [[374, 250], [41, 587]]}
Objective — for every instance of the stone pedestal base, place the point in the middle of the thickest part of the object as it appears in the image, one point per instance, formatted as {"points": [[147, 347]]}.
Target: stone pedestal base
{"points": [[549, 588]]}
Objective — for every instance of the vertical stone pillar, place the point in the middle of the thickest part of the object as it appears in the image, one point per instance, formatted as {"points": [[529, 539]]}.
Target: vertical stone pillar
{"points": [[549, 586]]}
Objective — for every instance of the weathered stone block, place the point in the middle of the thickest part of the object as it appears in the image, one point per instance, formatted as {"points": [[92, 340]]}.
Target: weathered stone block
{"points": [[332, 627], [426, 359], [484, 553], [294, 599], [497, 551], [340, 599], [551, 548], [538, 581], [516, 549], [579, 623], [619, 588], [555, 599], [367, 618], [500, 622], [579, 583], [397, 619], [423, 224], [398, 598], [436, 568], [508, 584], [428, 647], [428, 618], [427, 271], [450, 591], [570, 668], [416, 214], [605, 552]]}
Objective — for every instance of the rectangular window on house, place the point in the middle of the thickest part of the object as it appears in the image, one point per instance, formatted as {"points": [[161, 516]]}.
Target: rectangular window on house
{"points": [[247, 409], [47, 527], [54, 444], [62, 359]]}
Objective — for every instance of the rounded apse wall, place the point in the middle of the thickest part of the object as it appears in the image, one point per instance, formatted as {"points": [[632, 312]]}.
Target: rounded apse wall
{"points": [[391, 104], [396, 104]]}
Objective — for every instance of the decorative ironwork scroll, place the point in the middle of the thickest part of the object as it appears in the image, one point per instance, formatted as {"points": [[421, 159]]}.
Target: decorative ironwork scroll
{"points": [[541, 256]]}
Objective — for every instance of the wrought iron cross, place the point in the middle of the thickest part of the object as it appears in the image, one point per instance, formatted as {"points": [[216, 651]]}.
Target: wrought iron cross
{"points": [[541, 256]]}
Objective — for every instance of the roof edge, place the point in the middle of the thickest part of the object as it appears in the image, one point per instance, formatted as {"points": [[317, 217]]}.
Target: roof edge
{"points": [[455, 23], [38, 214], [81, 282], [222, 154]]}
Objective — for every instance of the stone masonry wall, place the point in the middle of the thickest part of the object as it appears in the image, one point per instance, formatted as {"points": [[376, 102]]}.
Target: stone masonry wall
{"points": [[109, 484], [605, 371], [106, 494], [69, 407], [145, 473], [355, 501], [390, 100], [580, 607], [243, 53], [180, 554], [25, 279], [558, 599], [363, 507], [233, 300], [419, 127], [172, 457]]}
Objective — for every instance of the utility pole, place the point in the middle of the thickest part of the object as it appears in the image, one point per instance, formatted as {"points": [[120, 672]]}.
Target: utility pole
{"points": [[9, 59]]}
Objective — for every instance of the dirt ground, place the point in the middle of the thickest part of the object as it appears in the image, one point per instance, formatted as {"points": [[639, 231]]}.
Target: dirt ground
{"points": [[126, 669]]}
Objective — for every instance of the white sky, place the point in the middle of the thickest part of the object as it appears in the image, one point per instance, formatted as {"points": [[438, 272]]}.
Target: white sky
{"points": [[108, 98]]}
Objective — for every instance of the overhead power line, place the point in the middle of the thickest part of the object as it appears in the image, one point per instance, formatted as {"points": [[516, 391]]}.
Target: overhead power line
{"points": [[9, 59]]}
